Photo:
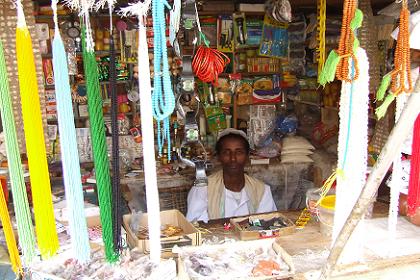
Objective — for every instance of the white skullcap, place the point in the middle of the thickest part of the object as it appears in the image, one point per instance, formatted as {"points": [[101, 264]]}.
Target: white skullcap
{"points": [[228, 131]]}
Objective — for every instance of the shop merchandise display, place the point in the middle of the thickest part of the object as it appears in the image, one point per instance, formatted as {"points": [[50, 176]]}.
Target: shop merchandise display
{"points": [[236, 260], [35, 144], [166, 231], [22, 214], [97, 131], [160, 109], [69, 157], [181, 72], [274, 41], [399, 79], [132, 265]]}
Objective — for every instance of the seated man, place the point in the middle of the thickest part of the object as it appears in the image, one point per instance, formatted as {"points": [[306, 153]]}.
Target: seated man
{"points": [[230, 191]]}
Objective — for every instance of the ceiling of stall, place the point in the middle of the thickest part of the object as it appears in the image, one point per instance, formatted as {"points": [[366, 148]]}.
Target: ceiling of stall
{"points": [[296, 4]]}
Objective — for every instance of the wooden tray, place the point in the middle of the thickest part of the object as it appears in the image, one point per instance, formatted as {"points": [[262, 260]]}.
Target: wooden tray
{"points": [[251, 235]]}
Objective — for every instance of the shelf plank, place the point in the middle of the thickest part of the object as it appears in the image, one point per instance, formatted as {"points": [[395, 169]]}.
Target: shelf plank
{"points": [[261, 103], [106, 82], [214, 13], [74, 16], [331, 108], [308, 103], [83, 83], [250, 74], [243, 49], [97, 53], [228, 13]]}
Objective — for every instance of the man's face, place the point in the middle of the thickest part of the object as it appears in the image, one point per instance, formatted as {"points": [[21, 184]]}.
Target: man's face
{"points": [[233, 155]]}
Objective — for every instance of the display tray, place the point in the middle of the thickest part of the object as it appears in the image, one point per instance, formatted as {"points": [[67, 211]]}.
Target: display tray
{"points": [[189, 236], [233, 260], [241, 226]]}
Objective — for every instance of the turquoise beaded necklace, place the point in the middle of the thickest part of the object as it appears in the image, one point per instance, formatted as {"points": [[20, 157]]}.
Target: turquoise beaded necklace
{"points": [[163, 99]]}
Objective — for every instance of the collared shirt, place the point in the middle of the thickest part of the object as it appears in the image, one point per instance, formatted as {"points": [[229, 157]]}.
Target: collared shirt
{"points": [[235, 203]]}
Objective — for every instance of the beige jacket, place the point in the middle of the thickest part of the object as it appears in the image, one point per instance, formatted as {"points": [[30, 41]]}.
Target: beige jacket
{"points": [[253, 187]]}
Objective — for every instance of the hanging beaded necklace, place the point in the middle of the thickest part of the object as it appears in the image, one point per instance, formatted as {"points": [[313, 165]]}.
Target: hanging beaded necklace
{"points": [[163, 99]]}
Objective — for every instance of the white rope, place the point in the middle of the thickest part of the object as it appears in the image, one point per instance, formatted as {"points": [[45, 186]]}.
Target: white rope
{"points": [[85, 8], [74, 5], [174, 20], [140, 10], [21, 21], [353, 162], [55, 17]]}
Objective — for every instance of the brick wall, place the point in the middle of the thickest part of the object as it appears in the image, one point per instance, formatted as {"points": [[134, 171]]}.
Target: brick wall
{"points": [[8, 20]]}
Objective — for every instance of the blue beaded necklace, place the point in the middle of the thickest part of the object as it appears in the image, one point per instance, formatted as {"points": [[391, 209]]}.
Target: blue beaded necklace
{"points": [[163, 99]]}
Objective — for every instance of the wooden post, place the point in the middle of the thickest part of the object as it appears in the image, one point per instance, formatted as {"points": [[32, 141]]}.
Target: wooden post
{"points": [[392, 147]]}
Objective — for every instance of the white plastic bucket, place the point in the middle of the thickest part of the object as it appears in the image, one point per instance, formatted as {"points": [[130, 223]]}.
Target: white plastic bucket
{"points": [[326, 210]]}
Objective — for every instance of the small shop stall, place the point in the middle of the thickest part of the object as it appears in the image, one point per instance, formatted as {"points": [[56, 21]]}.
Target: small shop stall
{"points": [[133, 130]]}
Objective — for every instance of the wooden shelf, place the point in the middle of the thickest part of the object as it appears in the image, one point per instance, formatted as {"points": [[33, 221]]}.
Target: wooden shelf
{"points": [[97, 53], [74, 16], [261, 103], [50, 17], [244, 49], [228, 13], [48, 87], [331, 108], [106, 114], [308, 103], [253, 13], [250, 74], [196, 47], [214, 13], [105, 82]]}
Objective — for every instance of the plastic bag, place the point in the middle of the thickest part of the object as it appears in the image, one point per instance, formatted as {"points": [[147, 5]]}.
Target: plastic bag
{"points": [[279, 10], [135, 221], [287, 124]]}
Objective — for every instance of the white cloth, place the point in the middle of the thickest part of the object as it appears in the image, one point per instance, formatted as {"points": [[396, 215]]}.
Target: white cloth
{"points": [[197, 203]]}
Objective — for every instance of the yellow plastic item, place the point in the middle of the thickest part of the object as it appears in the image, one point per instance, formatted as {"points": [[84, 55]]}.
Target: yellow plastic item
{"points": [[303, 219], [328, 202]]}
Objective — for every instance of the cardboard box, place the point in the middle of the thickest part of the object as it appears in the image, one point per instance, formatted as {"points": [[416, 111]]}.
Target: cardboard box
{"points": [[250, 235], [91, 212], [191, 235]]}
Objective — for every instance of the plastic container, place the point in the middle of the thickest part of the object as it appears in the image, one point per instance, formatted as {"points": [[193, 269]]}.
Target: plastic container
{"points": [[326, 209]]}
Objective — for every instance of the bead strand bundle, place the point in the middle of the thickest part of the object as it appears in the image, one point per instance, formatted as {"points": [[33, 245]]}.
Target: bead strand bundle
{"points": [[25, 229], [400, 77], [34, 136], [337, 64], [163, 99], [97, 128], [345, 45], [140, 9], [116, 190], [69, 153]]}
